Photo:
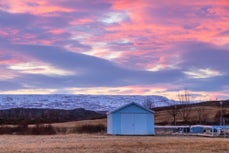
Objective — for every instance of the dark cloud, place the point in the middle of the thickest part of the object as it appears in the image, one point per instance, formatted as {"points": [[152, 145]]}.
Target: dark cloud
{"points": [[6, 85], [33, 4], [96, 72], [204, 55], [84, 5], [206, 12], [189, 26], [49, 22], [199, 55], [224, 33], [89, 71], [207, 84], [22, 20]]}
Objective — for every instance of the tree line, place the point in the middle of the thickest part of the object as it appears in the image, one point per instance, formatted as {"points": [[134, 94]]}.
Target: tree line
{"points": [[186, 112]]}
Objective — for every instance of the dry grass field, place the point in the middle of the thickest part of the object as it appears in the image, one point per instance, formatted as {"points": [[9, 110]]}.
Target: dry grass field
{"points": [[79, 123], [67, 141], [206, 114], [70, 127], [93, 143]]}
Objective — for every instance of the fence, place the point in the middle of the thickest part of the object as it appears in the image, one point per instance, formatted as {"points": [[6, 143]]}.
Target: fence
{"points": [[200, 130]]}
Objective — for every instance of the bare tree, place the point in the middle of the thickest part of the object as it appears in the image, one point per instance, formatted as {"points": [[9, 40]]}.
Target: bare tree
{"points": [[148, 103], [201, 115], [173, 111], [185, 109], [220, 117]]}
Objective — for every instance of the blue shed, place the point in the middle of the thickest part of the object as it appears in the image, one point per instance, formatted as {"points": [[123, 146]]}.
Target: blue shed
{"points": [[131, 119], [197, 129]]}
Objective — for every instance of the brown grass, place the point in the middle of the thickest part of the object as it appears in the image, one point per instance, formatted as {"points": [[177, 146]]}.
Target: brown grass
{"points": [[102, 143], [209, 115], [79, 123], [72, 127], [85, 143]]}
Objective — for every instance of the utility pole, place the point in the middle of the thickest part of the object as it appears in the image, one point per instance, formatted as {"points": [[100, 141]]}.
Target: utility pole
{"points": [[221, 113], [175, 114]]}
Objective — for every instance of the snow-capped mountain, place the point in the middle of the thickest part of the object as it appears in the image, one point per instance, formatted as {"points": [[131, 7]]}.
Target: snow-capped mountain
{"points": [[68, 102]]}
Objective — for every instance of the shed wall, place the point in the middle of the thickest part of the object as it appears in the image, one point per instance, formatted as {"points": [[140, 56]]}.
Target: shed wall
{"points": [[131, 120]]}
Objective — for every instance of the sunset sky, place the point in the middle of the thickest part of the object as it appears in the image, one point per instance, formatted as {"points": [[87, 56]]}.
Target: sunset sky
{"points": [[118, 47]]}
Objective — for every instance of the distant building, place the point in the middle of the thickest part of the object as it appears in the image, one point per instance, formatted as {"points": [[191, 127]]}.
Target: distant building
{"points": [[131, 119], [198, 128]]}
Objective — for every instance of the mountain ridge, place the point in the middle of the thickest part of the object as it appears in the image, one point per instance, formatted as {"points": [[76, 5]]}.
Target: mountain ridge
{"points": [[69, 102], [41, 115]]}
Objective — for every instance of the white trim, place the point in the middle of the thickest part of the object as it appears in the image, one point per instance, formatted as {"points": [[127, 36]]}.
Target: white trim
{"points": [[132, 103]]}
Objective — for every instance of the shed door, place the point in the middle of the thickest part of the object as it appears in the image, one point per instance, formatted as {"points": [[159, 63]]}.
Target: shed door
{"points": [[133, 124], [141, 124], [127, 124]]}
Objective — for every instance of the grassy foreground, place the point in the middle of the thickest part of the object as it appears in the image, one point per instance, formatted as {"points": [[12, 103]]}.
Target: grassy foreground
{"points": [[93, 143]]}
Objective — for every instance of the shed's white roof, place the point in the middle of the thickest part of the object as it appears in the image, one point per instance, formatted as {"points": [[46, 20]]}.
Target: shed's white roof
{"points": [[129, 104]]}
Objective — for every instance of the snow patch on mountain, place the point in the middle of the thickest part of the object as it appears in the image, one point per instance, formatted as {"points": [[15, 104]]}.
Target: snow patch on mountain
{"points": [[68, 102]]}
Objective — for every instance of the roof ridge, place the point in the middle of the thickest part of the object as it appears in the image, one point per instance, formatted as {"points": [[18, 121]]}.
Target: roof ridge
{"points": [[131, 103]]}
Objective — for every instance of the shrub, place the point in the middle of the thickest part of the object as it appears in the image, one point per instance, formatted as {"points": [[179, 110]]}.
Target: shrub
{"points": [[99, 128], [23, 129], [6, 130], [41, 129]]}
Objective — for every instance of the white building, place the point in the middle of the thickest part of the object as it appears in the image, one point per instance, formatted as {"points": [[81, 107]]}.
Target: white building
{"points": [[131, 119]]}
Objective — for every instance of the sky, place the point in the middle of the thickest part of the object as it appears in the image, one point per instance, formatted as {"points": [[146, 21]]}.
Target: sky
{"points": [[115, 47]]}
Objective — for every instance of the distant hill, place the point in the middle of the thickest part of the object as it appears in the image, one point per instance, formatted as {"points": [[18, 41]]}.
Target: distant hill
{"points": [[69, 102], [196, 113], [34, 115], [62, 108]]}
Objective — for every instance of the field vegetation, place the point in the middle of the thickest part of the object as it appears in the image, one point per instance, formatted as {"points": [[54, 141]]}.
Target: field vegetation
{"points": [[85, 126], [91, 143], [69, 138], [207, 113]]}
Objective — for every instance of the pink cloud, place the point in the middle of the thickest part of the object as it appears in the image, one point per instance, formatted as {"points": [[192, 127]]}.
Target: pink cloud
{"points": [[9, 61], [56, 31], [171, 22], [81, 21], [28, 6]]}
